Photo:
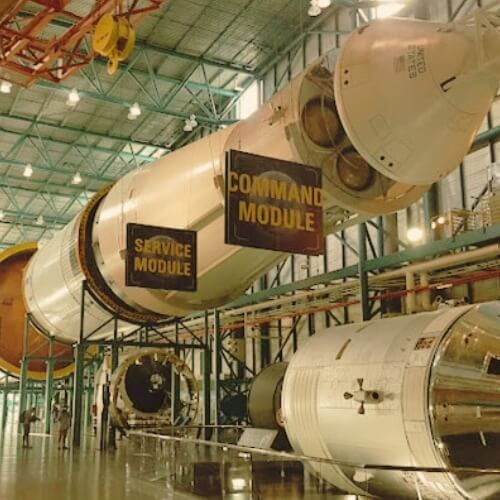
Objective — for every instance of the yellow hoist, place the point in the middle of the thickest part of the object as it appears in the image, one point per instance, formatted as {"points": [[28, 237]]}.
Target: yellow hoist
{"points": [[114, 38]]}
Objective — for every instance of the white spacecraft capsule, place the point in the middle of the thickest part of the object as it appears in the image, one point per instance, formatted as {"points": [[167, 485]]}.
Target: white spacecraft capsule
{"points": [[397, 112], [420, 391]]}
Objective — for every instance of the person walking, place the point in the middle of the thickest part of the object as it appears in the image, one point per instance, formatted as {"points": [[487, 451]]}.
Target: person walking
{"points": [[64, 425], [28, 416]]}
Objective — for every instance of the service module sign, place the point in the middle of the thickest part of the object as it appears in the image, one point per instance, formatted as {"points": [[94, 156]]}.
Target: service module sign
{"points": [[161, 258], [273, 204]]}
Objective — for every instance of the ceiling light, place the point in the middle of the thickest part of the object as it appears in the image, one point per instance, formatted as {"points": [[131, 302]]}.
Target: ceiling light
{"points": [[40, 221], [187, 126], [28, 171], [2, 214], [314, 9], [77, 178], [324, 4], [192, 121], [441, 219], [5, 87], [388, 9], [73, 98], [134, 111], [415, 234]]}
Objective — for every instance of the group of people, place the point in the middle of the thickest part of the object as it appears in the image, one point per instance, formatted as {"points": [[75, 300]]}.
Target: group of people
{"points": [[63, 417]]}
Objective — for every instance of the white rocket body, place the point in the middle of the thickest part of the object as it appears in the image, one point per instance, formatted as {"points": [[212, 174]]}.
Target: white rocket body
{"points": [[412, 123], [437, 383]]}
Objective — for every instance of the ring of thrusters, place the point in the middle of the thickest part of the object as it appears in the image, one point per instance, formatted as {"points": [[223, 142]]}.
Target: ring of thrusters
{"points": [[91, 271], [188, 409]]}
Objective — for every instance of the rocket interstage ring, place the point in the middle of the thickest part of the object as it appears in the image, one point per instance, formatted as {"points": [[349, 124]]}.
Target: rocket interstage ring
{"points": [[264, 397], [142, 386], [13, 316], [87, 260]]}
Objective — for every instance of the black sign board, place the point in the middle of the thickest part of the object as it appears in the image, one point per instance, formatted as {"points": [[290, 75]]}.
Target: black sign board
{"points": [[273, 204], [161, 258]]}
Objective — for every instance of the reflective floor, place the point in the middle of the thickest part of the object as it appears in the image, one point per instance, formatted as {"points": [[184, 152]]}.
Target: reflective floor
{"points": [[143, 469]]}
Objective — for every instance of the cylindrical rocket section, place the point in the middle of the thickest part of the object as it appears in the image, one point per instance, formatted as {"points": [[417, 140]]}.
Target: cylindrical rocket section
{"points": [[184, 190], [357, 123], [417, 391]]}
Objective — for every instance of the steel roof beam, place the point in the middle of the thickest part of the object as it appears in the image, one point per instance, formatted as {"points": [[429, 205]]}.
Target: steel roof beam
{"points": [[172, 81], [98, 149], [127, 104]]}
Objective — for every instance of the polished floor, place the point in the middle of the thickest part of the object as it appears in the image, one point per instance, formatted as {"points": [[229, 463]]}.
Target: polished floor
{"points": [[143, 469]]}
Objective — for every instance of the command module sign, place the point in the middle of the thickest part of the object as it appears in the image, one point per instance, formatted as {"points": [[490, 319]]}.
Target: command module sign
{"points": [[160, 257], [273, 204]]}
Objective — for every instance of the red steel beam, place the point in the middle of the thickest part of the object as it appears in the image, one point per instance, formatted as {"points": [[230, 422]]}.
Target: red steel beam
{"points": [[25, 54]]}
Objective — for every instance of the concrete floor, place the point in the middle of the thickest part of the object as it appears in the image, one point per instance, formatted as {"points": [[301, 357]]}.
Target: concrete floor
{"points": [[143, 469]]}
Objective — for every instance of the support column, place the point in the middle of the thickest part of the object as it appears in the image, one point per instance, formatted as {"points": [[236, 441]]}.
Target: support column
{"points": [[114, 366], [78, 375], [363, 276], [218, 364], [49, 387], [431, 209], [78, 392], [5, 401], [207, 354], [175, 381], [23, 379]]}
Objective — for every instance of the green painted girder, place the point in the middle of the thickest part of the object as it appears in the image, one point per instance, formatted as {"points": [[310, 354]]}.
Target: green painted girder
{"points": [[49, 168], [98, 149], [96, 96], [485, 138], [68, 128], [427, 251], [237, 68], [197, 86]]}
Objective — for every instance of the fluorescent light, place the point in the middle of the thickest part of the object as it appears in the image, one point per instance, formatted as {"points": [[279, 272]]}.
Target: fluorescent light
{"points": [[324, 4], [392, 8], [415, 234], [77, 178], [238, 483], [5, 87], [28, 171], [134, 111], [314, 9], [40, 221], [73, 98]]}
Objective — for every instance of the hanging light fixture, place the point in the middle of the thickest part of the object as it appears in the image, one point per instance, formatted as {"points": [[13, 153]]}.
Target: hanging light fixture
{"points": [[324, 4], [134, 111], [73, 98], [5, 87], [415, 234], [77, 179], [192, 121], [2, 214], [314, 9], [28, 171], [40, 221], [187, 126], [388, 9]]}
